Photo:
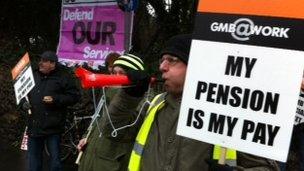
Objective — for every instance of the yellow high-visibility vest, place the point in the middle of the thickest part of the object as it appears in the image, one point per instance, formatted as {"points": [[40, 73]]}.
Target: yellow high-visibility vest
{"points": [[157, 103]]}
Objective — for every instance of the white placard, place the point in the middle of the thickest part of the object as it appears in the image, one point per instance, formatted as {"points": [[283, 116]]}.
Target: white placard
{"points": [[241, 96], [24, 83]]}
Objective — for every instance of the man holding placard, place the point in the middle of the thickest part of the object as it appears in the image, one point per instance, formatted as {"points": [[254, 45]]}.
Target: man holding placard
{"points": [[157, 147], [55, 89]]}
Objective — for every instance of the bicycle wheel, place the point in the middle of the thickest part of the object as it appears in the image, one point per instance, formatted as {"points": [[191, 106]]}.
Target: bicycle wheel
{"points": [[67, 147]]}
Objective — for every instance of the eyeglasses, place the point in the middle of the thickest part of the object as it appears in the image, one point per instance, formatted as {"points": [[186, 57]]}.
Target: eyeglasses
{"points": [[171, 60]]}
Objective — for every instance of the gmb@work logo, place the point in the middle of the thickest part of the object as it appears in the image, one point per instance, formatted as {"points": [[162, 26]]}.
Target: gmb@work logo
{"points": [[243, 28]]}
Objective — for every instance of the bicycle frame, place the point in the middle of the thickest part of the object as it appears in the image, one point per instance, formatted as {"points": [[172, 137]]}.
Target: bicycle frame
{"points": [[70, 146]]}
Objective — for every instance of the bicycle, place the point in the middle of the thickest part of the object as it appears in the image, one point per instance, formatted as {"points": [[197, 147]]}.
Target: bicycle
{"points": [[75, 126]]}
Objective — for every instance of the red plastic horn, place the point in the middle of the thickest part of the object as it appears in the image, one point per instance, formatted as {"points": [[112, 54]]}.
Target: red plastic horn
{"points": [[91, 80]]}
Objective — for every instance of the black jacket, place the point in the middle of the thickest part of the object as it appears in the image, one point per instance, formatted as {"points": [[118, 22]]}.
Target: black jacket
{"points": [[49, 118]]}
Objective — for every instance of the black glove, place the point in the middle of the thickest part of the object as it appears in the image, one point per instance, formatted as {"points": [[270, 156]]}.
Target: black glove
{"points": [[140, 83], [26, 105], [214, 166]]}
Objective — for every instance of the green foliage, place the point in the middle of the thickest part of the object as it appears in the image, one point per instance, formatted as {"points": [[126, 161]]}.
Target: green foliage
{"points": [[152, 30]]}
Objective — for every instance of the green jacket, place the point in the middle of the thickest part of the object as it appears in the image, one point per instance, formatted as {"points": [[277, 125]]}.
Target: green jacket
{"points": [[249, 162], [164, 149], [103, 153]]}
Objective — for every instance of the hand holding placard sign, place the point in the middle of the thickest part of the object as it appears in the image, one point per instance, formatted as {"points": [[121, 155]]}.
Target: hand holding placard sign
{"points": [[23, 78], [23, 83]]}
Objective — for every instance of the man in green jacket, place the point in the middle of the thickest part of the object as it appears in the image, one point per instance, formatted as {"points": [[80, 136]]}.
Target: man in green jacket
{"points": [[156, 145], [99, 152]]}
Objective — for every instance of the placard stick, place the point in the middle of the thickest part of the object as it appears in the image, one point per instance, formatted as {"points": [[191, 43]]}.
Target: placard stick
{"points": [[29, 110], [222, 159], [94, 119], [81, 152]]}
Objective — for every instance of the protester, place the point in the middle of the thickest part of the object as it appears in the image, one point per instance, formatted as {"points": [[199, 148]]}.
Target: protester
{"points": [[108, 65], [111, 57], [157, 147], [99, 152], [90, 96], [54, 90]]}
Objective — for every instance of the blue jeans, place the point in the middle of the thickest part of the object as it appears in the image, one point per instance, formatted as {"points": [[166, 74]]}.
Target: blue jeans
{"points": [[35, 152]]}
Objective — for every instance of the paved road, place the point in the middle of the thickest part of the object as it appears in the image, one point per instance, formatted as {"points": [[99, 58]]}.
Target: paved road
{"points": [[15, 160]]}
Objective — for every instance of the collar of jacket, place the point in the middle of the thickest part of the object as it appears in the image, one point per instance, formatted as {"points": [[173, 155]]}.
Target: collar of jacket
{"points": [[172, 102]]}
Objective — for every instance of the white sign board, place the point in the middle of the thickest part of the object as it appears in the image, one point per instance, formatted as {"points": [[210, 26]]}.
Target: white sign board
{"points": [[24, 84], [227, 108], [243, 80], [23, 78], [300, 109]]}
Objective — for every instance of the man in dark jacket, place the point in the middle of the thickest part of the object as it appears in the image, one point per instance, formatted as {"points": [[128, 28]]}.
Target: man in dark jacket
{"points": [[54, 90]]}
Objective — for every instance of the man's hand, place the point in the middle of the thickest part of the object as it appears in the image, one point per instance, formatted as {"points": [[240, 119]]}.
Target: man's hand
{"points": [[82, 144], [26, 105], [48, 99]]}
